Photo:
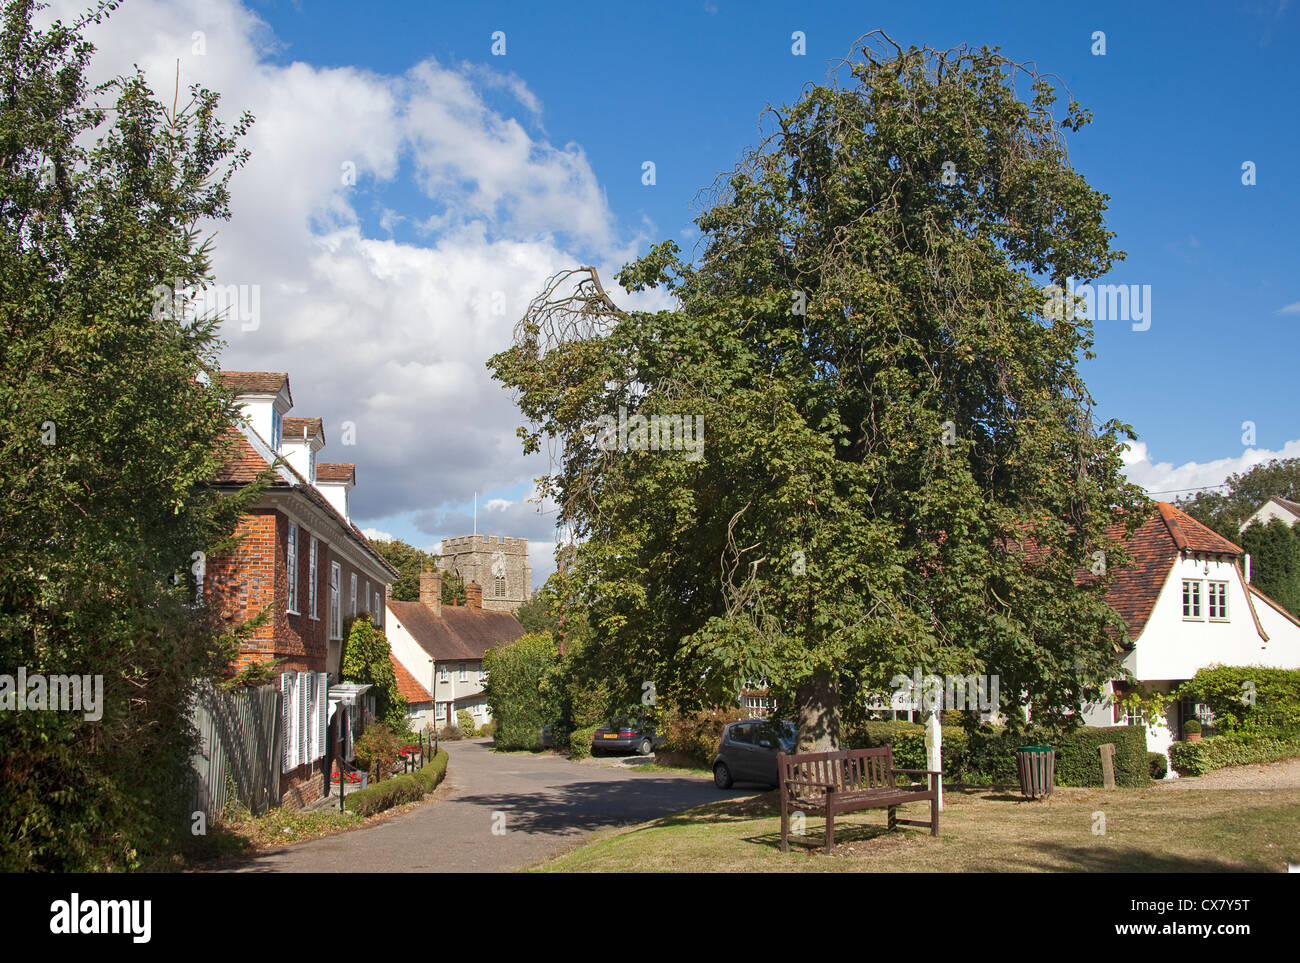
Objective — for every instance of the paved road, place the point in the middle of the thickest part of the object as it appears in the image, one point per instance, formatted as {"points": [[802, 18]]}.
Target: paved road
{"points": [[545, 803]]}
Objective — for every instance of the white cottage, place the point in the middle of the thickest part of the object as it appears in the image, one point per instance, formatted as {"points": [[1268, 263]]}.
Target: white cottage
{"points": [[441, 647], [1189, 604]]}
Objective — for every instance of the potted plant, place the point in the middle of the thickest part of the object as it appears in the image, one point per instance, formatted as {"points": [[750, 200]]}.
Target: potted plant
{"points": [[1192, 730]]}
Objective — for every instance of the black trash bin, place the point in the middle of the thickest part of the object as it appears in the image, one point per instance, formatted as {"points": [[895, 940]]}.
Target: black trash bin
{"points": [[1036, 766]]}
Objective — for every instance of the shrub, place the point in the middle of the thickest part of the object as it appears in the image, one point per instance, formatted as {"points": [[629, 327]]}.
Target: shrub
{"points": [[697, 734], [1158, 764], [1216, 752], [580, 742], [366, 659], [433, 772], [988, 754], [1078, 759], [1192, 727], [1248, 700], [378, 747], [451, 734], [517, 689], [409, 787], [488, 729], [465, 722]]}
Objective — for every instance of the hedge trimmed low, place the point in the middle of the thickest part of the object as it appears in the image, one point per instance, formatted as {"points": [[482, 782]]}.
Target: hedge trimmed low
{"points": [[1216, 752], [1159, 765], [988, 755], [408, 787]]}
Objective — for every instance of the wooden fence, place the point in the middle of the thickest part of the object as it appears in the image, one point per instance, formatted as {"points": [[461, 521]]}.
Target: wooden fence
{"points": [[240, 744]]}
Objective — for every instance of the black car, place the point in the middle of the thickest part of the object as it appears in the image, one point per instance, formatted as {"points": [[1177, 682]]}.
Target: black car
{"points": [[748, 751], [625, 735]]}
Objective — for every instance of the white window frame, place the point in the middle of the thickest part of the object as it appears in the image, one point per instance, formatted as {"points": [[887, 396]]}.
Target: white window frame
{"points": [[444, 673], [482, 674], [354, 595], [1223, 598], [336, 600], [379, 611], [291, 554], [464, 672], [312, 594], [1193, 609]]}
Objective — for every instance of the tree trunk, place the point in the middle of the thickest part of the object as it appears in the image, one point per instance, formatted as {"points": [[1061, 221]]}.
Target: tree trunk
{"points": [[819, 714]]}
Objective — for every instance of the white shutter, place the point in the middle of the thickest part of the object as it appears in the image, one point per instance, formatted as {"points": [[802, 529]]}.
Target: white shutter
{"points": [[302, 721], [322, 713], [290, 688]]}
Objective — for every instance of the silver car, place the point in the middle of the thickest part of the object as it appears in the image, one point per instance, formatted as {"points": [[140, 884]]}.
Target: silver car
{"points": [[748, 751]]}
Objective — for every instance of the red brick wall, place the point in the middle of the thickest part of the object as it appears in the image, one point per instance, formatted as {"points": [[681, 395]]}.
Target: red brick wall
{"points": [[256, 575]]}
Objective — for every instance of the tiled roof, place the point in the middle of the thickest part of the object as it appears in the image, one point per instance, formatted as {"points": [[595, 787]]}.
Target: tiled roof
{"points": [[1155, 547], [338, 472], [294, 427], [460, 633], [408, 687], [1190, 535], [243, 465], [254, 382], [246, 464]]}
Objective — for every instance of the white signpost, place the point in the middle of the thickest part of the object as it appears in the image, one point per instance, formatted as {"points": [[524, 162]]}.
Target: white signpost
{"points": [[934, 750]]}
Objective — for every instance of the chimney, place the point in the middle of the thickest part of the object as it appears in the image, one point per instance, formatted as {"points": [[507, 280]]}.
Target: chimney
{"points": [[431, 592], [473, 596]]}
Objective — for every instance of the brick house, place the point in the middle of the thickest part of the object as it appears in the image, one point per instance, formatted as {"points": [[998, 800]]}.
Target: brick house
{"points": [[301, 556], [442, 648]]}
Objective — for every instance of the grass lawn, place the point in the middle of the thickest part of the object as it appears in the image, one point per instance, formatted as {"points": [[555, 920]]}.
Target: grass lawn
{"points": [[981, 830]]}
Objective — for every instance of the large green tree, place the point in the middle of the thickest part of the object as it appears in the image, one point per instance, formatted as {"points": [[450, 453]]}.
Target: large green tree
{"points": [[891, 408], [1275, 561], [110, 423], [1243, 495], [410, 562]]}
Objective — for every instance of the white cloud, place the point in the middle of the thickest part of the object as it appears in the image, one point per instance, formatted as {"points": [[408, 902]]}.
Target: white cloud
{"points": [[1292, 308], [390, 335], [1171, 481], [375, 535]]}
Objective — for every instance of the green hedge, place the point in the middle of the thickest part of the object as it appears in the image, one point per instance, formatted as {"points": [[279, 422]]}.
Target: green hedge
{"points": [[1158, 764], [408, 787], [1078, 761], [1249, 700], [1216, 752], [988, 756], [580, 742]]}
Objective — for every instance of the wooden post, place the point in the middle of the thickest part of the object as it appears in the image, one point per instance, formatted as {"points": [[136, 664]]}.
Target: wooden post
{"points": [[1107, 765]]}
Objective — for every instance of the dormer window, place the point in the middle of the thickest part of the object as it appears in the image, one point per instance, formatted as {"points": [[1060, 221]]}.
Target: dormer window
{"points": [[276, 428], [311, 465]]}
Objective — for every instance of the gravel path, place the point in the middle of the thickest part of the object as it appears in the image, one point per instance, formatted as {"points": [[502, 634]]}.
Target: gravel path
{"points": [[1268, 775]]}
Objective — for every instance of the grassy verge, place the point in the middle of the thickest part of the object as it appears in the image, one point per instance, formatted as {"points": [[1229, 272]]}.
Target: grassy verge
{"points": [[982, 830]]}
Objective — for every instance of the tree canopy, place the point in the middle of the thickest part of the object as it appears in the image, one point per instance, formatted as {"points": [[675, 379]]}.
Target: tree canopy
{"points": [[410, 562], [110, 425], [1275, 561], [1246, 492], [890, 409]]}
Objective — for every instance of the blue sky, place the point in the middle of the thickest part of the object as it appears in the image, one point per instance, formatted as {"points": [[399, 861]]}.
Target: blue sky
{"points": [[1183, 96]]}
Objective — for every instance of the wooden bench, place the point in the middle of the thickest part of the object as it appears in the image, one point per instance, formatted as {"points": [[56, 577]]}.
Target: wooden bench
{"points": [[826, 783]]}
